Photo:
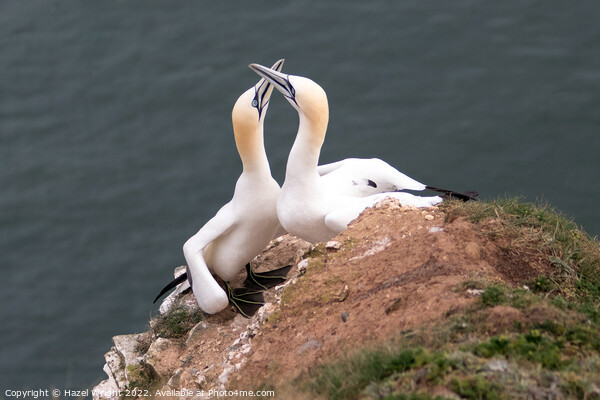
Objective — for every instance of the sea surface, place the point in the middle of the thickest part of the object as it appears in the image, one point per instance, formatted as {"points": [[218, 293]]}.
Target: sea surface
{"points": [[116, 142]]}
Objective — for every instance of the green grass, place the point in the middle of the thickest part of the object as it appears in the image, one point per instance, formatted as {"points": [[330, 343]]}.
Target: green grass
{"points": [[375, 365], [176, 323], [558, 357], [476, 387], [531, 346], [574, 255], [493, 296]]}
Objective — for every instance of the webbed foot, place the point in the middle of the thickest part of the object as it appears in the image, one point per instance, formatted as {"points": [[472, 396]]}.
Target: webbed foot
{"points": [[267, 279], [246, 301]]}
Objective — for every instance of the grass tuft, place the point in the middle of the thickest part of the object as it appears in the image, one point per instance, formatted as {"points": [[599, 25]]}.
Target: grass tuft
{"points": [[493, 296], [476, 388], [574, 255], [176, 323]]}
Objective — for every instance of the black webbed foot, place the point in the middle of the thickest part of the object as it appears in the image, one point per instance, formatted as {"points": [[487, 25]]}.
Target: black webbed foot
{"points": [[265, 280], [245, 300], [249, 298]]}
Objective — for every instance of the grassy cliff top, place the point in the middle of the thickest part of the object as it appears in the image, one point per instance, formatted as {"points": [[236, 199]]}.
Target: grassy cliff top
{"points": [[480, 300], [531, 333]]}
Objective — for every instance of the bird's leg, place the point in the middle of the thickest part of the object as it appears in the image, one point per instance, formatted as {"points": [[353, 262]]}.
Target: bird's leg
{"points": [[249, 298]]}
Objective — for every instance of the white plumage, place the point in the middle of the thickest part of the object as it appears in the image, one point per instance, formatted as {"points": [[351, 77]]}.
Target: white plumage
{"points": [[245, 225], [316, 203]]}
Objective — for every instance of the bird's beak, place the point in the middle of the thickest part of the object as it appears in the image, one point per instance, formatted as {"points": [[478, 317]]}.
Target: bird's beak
{"points": [[278, 65], [263, 90], [280, 81]]}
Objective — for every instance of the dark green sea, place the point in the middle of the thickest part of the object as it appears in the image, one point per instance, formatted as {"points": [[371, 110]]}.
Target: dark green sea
{"points": [[116, 142]]}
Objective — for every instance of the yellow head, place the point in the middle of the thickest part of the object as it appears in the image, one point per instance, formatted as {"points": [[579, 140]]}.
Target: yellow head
{"points": [[248, 117], [305, 95]]}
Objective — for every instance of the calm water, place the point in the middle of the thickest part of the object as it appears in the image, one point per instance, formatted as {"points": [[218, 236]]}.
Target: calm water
{"points": [[116, 142]]}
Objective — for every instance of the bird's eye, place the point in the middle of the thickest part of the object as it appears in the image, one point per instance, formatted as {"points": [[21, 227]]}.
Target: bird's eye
{"points": [[254, 103]]}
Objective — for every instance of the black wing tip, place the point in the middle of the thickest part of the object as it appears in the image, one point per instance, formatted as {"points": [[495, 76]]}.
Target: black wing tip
{"points": [[451, 194], [181, 278]]}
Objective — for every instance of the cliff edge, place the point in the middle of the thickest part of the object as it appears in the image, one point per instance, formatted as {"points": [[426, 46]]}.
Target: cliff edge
{"points": [[498, 299]]}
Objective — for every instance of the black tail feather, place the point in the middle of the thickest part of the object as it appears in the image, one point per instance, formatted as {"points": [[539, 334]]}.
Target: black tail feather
{"points": [[465, 196]]}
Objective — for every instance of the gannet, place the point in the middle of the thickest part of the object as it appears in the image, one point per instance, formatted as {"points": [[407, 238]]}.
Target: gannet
{"points": [[316, 203], [244, 226]]}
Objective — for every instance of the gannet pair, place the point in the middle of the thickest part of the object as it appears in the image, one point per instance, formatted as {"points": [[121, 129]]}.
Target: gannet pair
{"points": [[316, 203], [244, 226]]}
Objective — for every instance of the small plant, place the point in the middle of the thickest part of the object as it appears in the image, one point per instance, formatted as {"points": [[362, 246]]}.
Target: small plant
{"points": [[476, 388], [493, 296], [583, 336], [176, 323], [575, 387], [541, 284], [496, 345], [472, 284], [551, 327], [401, 362], [317, 251], [521, 299], [531, 346]]}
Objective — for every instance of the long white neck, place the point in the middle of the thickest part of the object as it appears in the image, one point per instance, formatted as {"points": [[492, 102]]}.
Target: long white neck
{"points": [[304, 155], [251, 149]]}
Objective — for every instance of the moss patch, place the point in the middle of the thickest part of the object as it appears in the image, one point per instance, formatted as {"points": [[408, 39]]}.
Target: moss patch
{"points": [[143, 380]]}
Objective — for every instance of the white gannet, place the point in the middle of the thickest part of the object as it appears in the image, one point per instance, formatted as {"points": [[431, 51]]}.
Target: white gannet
{"points": [[364, 177], [244, 226], [316, 203]]}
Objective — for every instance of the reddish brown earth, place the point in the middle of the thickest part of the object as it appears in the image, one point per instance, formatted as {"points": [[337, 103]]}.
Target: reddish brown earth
{"points": [[394, 269], [397, 269]]}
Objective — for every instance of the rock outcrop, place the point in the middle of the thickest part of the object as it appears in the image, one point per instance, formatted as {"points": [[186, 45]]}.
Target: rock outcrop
{"points": [[199, 362]]}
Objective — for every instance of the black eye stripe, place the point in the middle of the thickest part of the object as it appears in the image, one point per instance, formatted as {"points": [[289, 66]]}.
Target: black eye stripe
{"points": [[260, 93], [259, 97], [263, 94], [290, 87], [262, 83]]}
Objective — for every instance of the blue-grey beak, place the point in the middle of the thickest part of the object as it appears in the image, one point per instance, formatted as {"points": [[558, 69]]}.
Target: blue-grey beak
{"points": [[279, 80]]}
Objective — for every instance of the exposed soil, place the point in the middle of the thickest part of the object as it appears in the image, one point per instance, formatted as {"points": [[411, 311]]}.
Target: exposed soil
{"points": [[397, 269], [394, 269]]}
